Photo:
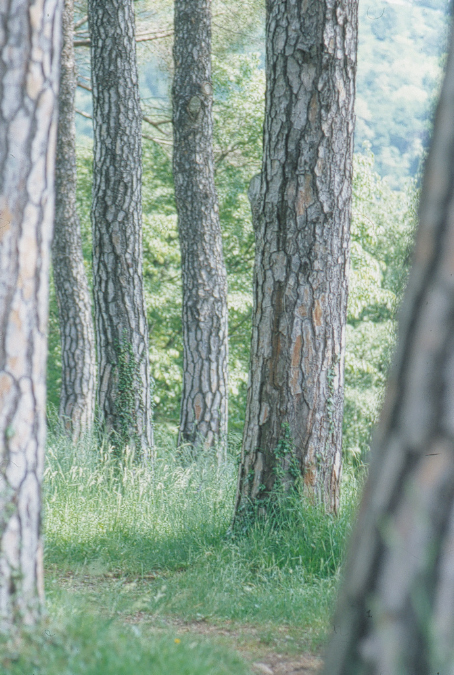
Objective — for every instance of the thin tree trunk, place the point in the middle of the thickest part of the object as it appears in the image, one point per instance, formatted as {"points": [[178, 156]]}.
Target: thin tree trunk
{"points": [[30, 40], [203, 417], [124, 378], [395, 613], [301, 210], [77, 398]]}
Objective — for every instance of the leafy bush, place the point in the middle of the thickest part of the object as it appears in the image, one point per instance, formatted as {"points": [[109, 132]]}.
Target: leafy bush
{"points": [[382, 228]]}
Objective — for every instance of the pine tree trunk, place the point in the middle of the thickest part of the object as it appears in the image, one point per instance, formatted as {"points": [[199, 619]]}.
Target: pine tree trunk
{"points": [[395, 613], [124, 378], [30, 41], [203, 417], [77, 398], [301, 207]]}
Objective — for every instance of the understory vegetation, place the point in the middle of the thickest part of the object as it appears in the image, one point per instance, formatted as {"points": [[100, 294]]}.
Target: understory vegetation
{"points": [[381, 234], [143, 572], [134, 554]]}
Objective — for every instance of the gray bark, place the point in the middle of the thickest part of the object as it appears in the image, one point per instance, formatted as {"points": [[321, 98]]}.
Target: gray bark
{"points": [[124, 378], [30, 40], [203, 417], [301, 208], [395, 610], [77, 398]]}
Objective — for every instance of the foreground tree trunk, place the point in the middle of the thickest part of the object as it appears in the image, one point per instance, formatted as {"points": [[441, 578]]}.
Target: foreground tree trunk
{"points": [[77, 398], [121, 325], [301, 206], [30, 38], [203, 417], [395, 613]]}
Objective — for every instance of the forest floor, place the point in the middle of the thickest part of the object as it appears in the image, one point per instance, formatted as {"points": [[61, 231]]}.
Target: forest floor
{"points": [[143, 574], [266, 648]]}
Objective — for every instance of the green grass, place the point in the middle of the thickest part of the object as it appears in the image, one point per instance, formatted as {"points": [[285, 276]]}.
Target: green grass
{"points": [[152, 544], [80, 643]]}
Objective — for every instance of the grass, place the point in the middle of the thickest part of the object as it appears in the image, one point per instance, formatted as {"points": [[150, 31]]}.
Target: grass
{"points": [[151, 546]]}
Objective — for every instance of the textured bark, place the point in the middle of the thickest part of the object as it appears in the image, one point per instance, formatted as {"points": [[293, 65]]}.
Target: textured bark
{"points": [[395, 613], [30, 37], [77, 398], [203, 417], [301, 210], [120, 318]]}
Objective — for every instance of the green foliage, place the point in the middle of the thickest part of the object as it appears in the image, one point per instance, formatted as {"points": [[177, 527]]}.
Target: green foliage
{"points": [[383, 223], [75, 641], [382, 227], [169, 524], [400, 45]]}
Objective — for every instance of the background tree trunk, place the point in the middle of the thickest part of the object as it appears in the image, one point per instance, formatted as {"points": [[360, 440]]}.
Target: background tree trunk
{"points": [[301, 208], [395, 611], [77, 399], [121, 325], [203, 417], [30, 40]]}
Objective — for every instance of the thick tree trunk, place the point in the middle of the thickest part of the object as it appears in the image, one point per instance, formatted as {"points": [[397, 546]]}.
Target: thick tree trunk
{"points": [[301, 211], [395, 613], [203, 417], [77, 398], [124, 378], [30, 40]]}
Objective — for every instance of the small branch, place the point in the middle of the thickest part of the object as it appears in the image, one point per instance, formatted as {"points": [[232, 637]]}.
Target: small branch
{"points": [[84, 86], [80, 23], [163, 122], [84, 114], [140, 37], [233, 329], [148, 120], [159, 141], [225, 154]]}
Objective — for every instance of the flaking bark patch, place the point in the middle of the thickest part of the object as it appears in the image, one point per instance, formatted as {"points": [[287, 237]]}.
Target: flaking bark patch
{"points": [[203, 416], [301, 205], [120, 317]]}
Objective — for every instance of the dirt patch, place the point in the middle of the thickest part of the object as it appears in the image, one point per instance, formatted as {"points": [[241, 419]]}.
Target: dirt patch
{"points": [[278, 664], [246, 641], [270, 650]]}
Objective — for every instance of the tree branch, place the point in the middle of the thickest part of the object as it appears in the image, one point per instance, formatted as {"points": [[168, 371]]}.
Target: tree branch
{"points": [[160, 141], [140, 37], [148, 120], [83, 114], [84, 86], [81, 22]]}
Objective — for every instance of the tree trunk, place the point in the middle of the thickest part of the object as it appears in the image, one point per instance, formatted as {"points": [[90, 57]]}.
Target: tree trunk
{"points": [[121, 325], [77, 399], [30, 40], [203, 417], [395, 613], [301, 207]]}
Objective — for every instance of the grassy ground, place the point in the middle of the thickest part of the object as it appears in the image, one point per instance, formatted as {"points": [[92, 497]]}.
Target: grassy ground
{"points": [[143, 575]]}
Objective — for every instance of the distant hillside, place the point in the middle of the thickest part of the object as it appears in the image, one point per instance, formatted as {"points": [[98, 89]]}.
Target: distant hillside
{"points": [[401, 45]]}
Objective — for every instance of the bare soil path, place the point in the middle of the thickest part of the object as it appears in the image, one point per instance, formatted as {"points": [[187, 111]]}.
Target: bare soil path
{"points": [[269, 650]]}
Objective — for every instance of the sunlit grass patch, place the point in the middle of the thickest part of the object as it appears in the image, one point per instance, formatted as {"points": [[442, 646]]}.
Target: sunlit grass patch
{"points": [[166, 527], [77, 642]]}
